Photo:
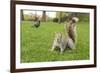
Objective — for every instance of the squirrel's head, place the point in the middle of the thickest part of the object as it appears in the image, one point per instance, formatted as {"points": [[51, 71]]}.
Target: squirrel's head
{"points": [[75, 20]]}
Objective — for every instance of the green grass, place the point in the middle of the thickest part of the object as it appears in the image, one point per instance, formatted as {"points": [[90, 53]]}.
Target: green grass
{"points": [[37, 42]]}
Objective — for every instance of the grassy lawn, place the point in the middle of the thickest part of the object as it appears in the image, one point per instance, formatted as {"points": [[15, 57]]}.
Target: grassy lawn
{"points": [[37, 42]]}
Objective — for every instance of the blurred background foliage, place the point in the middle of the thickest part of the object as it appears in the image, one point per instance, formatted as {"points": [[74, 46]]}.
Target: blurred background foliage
{"points": [[60, 17]]}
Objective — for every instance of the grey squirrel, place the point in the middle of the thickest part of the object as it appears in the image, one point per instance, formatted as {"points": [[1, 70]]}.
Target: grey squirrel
{"points": [[68, 41]]}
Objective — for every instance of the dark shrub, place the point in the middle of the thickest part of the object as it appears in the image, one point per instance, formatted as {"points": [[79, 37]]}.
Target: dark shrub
{"points": [[55, 19]]}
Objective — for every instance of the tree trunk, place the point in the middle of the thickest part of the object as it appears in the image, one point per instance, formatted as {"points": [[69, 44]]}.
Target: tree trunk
{"points": [[59, 18], [22, 16], [44, 16]]}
